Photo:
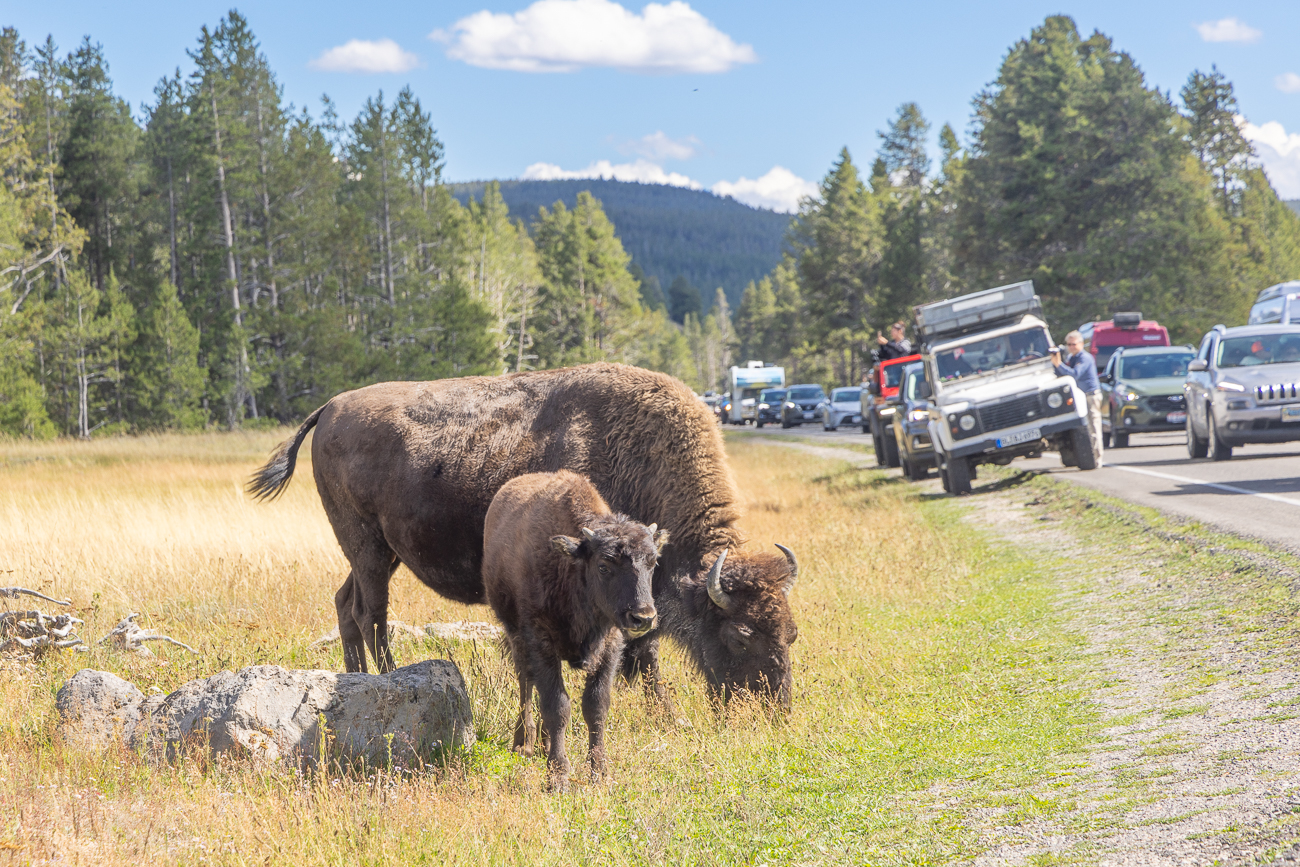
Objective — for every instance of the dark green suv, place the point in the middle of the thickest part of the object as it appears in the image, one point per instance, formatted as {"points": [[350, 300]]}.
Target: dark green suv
{"points": [[1143, 392]]}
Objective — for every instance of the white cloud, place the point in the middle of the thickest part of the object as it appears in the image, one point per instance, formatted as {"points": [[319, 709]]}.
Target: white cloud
{"points": [[364, 55], [566, 35], [1288, 82], [1227, 30], [1279, 151], [641, 171], [658, 146], [780, 190]]}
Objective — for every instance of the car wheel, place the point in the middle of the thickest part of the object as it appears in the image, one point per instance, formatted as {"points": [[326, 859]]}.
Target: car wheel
{"points": [[758, 425], [907, 468], [1082, 447], [943, 477], [959, 476], [891, 453], [1121, 440], [1196, 447], [1217, 448]]}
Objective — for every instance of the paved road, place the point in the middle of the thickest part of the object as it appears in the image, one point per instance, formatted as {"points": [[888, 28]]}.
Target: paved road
{"points": [[1257, 493]]}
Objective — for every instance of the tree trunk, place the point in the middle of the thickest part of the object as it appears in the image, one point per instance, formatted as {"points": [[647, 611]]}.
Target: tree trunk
{"points": [[242, 392]]}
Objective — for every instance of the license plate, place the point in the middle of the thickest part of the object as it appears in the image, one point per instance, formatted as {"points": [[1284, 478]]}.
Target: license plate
{"points": [[855, 419], [1291, 413], [1025, 436], [807, 415], [1176, 418]]}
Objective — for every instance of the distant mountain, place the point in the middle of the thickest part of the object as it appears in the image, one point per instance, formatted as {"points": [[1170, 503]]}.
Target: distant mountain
{"points": [[1294, 204], [668, 231]]}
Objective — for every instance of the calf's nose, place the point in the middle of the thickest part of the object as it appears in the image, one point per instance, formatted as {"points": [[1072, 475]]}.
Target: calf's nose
{"points": [[642, 621]]}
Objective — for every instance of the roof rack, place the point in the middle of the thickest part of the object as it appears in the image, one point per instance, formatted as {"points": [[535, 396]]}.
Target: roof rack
{"points": [[978, 311]]}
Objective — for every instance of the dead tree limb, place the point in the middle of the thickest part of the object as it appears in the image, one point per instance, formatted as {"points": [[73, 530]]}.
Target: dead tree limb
{"points": [[127, 635], [15, 592]]}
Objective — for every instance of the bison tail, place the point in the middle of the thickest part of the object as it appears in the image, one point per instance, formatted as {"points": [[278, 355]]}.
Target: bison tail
{"points": [[270, 481]]}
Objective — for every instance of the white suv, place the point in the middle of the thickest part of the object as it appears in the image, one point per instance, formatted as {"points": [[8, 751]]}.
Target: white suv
{"points": [[994, 394]]}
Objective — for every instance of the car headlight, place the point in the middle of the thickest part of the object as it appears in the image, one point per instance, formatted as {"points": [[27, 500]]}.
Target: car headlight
{"points": [[918, 415], [1054, 400], [1131, 397], [889, 410], [790, 405], [1230, 386], [966, 422], [763, 406]]}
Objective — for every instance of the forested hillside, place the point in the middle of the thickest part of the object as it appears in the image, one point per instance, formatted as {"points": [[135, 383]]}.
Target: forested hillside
{"points": [[220, 257], [670, 232]]}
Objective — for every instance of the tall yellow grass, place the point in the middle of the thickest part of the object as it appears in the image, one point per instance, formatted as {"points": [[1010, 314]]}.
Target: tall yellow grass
{"points": [[160, 525]]}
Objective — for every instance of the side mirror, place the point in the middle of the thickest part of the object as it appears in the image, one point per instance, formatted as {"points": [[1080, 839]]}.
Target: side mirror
{"points": [[1106, 378], [1197, 366], [923, 390]]}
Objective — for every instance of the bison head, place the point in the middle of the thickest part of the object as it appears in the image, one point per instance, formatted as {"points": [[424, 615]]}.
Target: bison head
{"points": [[747, 627], [617, 556]]}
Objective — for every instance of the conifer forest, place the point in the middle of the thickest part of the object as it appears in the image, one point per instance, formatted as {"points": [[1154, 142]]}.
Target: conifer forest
{"points": [[220, 257]]}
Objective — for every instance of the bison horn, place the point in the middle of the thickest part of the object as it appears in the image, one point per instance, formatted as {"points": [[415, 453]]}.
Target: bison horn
{"points": [[716, 593], [588, 535], [794, 569]]}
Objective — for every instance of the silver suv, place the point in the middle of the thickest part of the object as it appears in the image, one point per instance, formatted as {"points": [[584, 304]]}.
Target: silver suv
{"points": [[1243, 387]]}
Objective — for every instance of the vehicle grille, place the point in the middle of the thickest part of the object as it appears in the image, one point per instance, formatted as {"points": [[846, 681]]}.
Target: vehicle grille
{"points": [[1009, 413], [1165, 403], [1277, 391]]}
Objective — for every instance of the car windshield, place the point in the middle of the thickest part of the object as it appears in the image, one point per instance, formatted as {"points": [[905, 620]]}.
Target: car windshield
{"points": [[992, 353], [1154, 366], [846, 395], [1282, 348], [894, 375], [772, 396], [806, 394]]}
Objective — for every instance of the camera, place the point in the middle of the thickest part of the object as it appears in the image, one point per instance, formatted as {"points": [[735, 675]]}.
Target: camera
{"points": [[1060, 350]]}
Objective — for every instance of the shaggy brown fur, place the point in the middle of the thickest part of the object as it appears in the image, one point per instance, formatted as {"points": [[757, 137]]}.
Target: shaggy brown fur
{"points": [[567, 578], [406, 471]]}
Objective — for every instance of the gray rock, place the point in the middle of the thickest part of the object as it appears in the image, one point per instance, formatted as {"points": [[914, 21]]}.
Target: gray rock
{"points": [[266, 713], [97, 708]]}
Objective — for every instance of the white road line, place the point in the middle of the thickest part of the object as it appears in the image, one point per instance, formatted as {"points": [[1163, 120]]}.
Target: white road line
{"points": [[1232, 489]]}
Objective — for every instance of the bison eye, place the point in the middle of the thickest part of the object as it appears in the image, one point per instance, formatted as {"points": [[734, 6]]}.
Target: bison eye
{"points": [[604, 570]]}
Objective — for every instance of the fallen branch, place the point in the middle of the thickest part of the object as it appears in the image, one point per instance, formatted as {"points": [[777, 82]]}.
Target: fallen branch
{"points": [[35, 631], [127, 635], [15, 592]]}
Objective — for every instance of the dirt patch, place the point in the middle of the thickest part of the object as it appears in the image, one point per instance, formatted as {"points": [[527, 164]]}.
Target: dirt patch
{"points": [[1199, 756]]}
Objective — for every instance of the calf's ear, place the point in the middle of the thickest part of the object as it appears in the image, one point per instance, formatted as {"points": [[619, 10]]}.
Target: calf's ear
{"points": [[661, 539], [566, 545]]}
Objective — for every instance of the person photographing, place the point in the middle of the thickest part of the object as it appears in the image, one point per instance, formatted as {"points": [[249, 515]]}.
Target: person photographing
{"points": [[1083, 367], [896, 346]]}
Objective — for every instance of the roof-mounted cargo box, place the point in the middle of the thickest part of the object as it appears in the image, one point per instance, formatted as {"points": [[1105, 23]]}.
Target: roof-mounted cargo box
{"points": [[1127, 321], [978, 311]]}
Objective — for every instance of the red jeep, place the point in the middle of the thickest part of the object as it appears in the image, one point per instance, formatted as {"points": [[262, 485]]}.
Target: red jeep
{"points": [[879, 402], [1127, 330]]}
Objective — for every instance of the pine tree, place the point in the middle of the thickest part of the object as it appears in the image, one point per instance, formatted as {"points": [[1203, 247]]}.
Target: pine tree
{"points": [[683, 300], [167, 380]]}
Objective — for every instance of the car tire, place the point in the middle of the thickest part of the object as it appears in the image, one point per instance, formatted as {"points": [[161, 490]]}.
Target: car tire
{"points": [[1217, 448], [785, 423], [959, 476], [943, 478], [1196, 447], [758, 425], [1121, 440], [891, 453], [1082, 448], [1105, 440]]}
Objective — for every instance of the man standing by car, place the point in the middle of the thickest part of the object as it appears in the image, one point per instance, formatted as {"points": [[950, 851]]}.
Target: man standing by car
{"points": [[1083, 367], [896, 346]]}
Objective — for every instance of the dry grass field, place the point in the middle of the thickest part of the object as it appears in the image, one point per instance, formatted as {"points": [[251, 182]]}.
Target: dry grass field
{"points": [[923, 657]]}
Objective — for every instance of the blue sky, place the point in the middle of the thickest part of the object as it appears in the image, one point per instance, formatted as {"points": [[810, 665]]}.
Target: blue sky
{"points": [[706, 92]]}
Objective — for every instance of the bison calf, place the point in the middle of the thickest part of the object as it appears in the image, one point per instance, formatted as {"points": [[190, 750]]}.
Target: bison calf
{"points": [[568, 579]]}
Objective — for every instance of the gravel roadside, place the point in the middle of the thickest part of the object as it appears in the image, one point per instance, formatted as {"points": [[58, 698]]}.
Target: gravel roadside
{"points": [[1197, 757]]}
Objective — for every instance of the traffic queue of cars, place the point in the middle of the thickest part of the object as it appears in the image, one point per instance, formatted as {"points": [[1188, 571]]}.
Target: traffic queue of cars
{"points": [[983, 389]]}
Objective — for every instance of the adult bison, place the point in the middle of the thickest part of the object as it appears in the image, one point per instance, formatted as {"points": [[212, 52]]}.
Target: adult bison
{"points": [[406, 471]]}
